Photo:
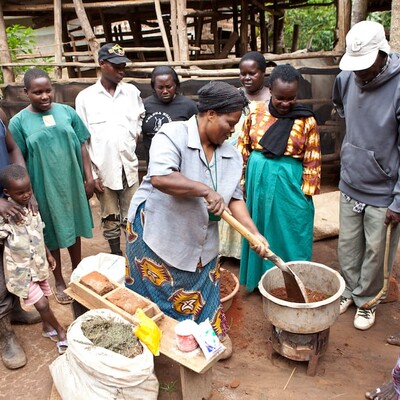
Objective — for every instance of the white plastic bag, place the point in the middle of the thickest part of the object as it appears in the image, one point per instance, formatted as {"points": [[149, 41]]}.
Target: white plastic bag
{"points": [[91, 372], [110, 265]]}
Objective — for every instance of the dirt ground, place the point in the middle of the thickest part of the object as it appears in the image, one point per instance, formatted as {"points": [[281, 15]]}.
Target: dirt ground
{"points": [[354, 361]]}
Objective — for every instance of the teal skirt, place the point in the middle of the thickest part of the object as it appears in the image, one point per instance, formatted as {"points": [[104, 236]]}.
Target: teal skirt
{"points": [[281, 212]]}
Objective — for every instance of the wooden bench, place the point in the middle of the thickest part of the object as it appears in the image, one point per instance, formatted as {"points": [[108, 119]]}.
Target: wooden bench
{"points": [[195, 369]]}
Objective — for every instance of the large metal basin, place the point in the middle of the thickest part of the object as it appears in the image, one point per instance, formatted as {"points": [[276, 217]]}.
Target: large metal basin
{"points": [[303, 317]]}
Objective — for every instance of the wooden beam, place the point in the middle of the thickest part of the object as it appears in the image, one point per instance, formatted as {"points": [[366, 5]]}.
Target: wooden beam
{"points": [[233, 38], [214, 29], [198, 63], [9, 8], [5, 56], [359, 11], [343, 13], [263, 33], [164, 37], [190, 12], [253, 37], [295, 37], [243, 27], [87, 29], [174, 30], [182, 30], [58, 37]]}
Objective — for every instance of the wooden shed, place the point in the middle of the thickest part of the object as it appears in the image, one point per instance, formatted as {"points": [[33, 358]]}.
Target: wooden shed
{"points": [[202, 40], [190, 35]]}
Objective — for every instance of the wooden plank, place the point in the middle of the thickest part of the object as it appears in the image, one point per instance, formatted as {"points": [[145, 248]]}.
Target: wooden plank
{"points": [[174, 29], [58, 37], [87, 29], [151, 310], [233, 38], [164, 37], [182, 30], [5, 55], [194, 360], [69, 6]]}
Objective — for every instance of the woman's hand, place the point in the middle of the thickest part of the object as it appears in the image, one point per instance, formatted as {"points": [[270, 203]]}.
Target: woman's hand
{"points": [[263, 246], [33, 205], [98, 186], [50, 259], [11, 210], [89, 188], [216, 204]]}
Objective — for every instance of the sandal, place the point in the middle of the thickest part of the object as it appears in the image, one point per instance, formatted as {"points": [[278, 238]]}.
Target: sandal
{"points": [[61, 298], [52, 335], [62, 346]]}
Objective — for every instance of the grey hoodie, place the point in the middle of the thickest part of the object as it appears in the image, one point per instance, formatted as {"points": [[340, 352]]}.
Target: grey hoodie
{"points": [[370, 155]]}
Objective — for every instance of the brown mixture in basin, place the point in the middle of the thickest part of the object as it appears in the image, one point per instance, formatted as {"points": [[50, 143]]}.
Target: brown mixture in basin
{"points": [[228, 283], [313, 295]]}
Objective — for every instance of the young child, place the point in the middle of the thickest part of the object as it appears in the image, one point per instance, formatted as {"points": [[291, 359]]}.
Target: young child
{"points": [[26, 258]]}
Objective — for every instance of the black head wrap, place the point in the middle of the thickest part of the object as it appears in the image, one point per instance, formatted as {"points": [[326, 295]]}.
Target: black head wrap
{"points": [[221, 97]]}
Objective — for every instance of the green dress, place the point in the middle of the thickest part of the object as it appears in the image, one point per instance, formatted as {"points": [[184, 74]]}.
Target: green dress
{"points": [[51, 145]]}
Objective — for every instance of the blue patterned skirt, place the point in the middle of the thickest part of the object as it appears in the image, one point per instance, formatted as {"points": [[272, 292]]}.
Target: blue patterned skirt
{"points": [[179, 294]]}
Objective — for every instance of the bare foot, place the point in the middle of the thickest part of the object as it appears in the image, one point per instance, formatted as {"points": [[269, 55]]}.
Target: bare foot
{"points": [[384, 392], [394, 339]]}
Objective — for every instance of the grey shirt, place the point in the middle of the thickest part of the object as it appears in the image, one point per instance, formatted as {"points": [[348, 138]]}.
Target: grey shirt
{"points": [[178, 229], [370, 154]]}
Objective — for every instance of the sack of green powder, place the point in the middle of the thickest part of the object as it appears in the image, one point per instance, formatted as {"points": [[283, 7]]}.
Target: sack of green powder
{"points": [[94, 372]]}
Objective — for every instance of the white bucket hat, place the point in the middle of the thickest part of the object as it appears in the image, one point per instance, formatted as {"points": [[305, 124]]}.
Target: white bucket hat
{"points": [[363, 42]]}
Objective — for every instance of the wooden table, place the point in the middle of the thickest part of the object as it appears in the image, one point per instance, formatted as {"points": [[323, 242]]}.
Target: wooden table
{"points": [[195, 369]]}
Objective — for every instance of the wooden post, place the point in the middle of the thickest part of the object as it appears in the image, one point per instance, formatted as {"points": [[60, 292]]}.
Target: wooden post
{"points": [[359, 11], [58, 37], [343, 23], [5, 56], [87, 29], [162, 29], [214, 28], [233, 38], [136, 29], [263, 33], [253, 36], [236, 25], [106, 27], [395, 26], [182, 30], [195, 386], [67, 47], [174, 30], [244, 27], [295, 38], [278, 29]]}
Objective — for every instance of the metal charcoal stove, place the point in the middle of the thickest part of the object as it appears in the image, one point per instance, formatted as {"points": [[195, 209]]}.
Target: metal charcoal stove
{"points": [[300, 331], [299, 347]]}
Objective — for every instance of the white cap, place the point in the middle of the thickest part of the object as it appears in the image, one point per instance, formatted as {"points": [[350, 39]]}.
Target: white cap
{"points": [[363, 42]]}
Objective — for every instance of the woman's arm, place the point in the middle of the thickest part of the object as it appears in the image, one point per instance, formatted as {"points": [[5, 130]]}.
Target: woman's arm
{"points": [[239, 211], [176, 184], [87, 171], [16, 157]]}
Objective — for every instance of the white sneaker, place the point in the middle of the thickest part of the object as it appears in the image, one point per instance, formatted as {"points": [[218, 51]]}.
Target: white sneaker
{"points": [[364, 319], [345, 303]]}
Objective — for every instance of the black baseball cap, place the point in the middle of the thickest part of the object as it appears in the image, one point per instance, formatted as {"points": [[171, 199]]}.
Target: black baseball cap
{"points": [[113, 53]]}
